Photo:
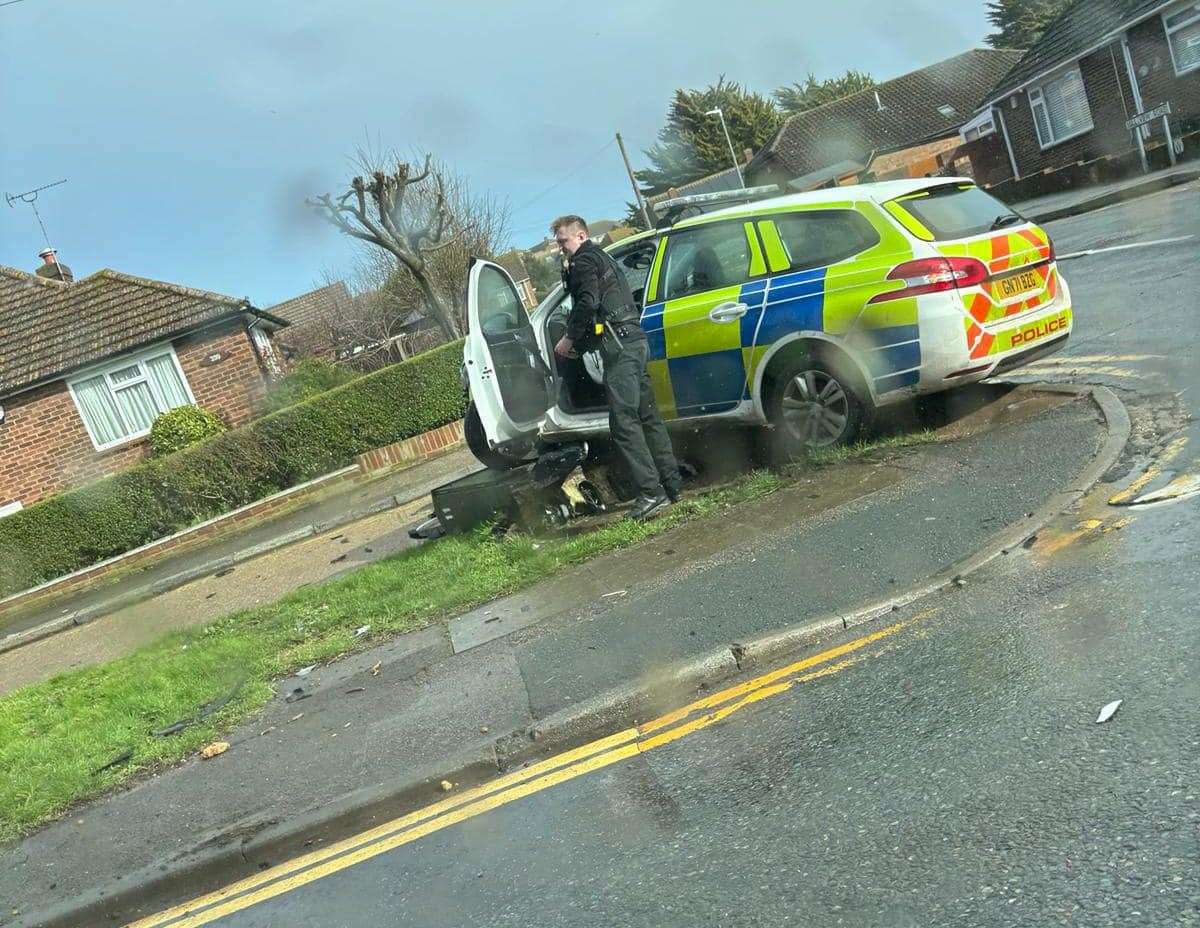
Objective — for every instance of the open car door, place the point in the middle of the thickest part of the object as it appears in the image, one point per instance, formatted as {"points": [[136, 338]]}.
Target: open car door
{"points": [[511, 385]]}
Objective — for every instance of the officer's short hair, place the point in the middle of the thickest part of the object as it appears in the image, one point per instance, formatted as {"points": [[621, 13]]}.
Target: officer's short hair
{"points": [[567, 221]]}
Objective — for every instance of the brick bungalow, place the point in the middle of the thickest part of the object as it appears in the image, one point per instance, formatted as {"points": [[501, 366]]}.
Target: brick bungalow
{"points": [[514, 263], [87, 365], [1063, 107], [905, 127], [318, 322]]}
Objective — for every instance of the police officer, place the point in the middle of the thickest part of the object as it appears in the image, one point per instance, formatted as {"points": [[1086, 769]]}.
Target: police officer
{"points": [[602, 300]]}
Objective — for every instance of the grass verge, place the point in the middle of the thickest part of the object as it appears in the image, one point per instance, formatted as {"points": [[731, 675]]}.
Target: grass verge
{"points": [[825, 457], [57, 737]]}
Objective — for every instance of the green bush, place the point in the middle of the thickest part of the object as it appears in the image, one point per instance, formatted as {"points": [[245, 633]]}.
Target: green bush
{"points": [[163, 495], [308, 378], [181, 428]]}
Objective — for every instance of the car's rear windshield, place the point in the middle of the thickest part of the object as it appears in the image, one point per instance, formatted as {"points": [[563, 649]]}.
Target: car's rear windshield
{"points": [[951, 212]]}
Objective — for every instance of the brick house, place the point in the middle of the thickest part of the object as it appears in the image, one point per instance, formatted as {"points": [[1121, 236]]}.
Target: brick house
{"points": [[318, 322], [1063, 107], [514, 263], [86, 366], [904, 127]]}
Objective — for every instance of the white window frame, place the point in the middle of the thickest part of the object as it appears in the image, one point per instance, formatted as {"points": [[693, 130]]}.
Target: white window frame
{"points": [[982, 131], [1169, 30], [1041, 101], [106, 370]]}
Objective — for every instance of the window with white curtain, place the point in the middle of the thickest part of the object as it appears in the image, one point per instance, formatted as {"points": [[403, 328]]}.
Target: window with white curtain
{"points": [[1182, 24], [121, 401], [1060, 108]]}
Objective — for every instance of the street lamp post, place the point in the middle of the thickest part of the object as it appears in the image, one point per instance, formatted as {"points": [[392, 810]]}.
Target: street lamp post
{"points": [[717, 112]]}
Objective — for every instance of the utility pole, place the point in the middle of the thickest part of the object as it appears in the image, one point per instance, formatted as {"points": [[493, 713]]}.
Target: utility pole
{"points": [[637, 191]]}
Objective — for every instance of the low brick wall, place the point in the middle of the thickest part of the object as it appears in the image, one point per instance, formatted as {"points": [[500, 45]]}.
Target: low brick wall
{"points": [[411, 449], [370, 464]]}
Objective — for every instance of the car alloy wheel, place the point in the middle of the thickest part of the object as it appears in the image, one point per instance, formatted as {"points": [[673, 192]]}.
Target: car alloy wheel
{"points": [[816, 409]]}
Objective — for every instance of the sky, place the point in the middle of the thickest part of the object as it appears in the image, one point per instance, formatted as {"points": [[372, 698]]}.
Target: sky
{"points": [[190, 133]]}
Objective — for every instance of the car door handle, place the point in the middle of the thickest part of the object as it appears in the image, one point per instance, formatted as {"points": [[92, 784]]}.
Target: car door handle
{"points": [[728, 312]]}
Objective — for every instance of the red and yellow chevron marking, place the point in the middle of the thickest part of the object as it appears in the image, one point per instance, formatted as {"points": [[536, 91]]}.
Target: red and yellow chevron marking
{"points": [[1003, 254], [982, 344]]}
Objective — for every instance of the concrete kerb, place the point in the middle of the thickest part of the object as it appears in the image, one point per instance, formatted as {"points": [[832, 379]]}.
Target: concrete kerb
{"points": [[252, 845], [247, 847], [1131, 192], [174, 581]]}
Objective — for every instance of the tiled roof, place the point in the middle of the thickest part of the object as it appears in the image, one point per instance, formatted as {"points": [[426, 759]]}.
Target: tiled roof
{"points": [[316, 306], [917, 107], [1079, 28], [49, 328], [711, 183], [512, 262]]}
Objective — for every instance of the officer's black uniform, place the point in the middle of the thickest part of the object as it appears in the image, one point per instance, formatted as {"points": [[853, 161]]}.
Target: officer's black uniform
{"points": [[600, 294]]}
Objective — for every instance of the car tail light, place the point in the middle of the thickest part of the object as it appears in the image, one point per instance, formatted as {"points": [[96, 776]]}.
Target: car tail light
{"points": [[933, 275]]}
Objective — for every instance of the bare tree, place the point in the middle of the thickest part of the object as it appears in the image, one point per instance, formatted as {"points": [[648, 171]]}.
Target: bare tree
{"points": [[424, 225]]}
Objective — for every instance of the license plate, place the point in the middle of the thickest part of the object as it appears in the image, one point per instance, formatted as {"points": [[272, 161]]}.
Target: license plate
{"points": [[1020, 282]]}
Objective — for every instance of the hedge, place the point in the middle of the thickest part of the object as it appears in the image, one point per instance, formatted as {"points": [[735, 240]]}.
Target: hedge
{"points": [[159, 497]]}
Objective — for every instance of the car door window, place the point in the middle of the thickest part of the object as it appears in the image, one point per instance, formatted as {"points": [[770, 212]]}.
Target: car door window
{"points": [[823, 237], [707, 258], [635, 265], [500, 308]]}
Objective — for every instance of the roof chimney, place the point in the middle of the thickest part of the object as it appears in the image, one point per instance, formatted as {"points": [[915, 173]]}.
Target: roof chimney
{"points": [[51, 268]]}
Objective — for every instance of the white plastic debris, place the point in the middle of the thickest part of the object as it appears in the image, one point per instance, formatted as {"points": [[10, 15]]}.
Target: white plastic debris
{"points": [[1108, 711], [361, 630], [305, 671], [615, 593]]}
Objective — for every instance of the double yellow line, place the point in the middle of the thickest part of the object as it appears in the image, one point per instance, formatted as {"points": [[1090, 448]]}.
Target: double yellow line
{"points": [[293, 874], [1154, 470]]}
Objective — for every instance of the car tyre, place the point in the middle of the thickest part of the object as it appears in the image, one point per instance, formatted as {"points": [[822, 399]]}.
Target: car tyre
{"points": [[476, 439], [813, 405]]}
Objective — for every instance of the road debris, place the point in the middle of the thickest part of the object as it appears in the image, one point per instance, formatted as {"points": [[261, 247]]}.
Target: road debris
{"points": [[122, 758], [266, 731], [305, 671], [361, 630], [296, 695], [483, 729], [209, 708], [356, 689], [297, 717], [223, 572], [959, 582], [1108, 711], [210, 751], [375, 669], [339, 558], [615, 593], [447, 786]]}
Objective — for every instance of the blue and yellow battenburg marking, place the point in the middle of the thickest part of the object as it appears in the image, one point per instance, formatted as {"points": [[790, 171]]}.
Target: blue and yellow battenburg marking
{"points": [[701, 367]]}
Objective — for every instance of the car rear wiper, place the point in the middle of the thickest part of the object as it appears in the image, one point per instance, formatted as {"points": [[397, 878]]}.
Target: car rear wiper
{"points": [[1007, 219]]}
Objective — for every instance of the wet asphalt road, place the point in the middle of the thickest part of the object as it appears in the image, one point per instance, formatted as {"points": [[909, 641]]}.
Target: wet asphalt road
{"points": [[953, 776]]}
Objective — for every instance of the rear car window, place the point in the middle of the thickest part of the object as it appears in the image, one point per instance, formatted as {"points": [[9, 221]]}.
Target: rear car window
{"points": [[952, 212], [707, 258], [815, 239]]}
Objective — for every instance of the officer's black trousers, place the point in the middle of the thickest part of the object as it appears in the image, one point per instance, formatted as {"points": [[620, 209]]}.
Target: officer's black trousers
{"points": [[633, 418]]}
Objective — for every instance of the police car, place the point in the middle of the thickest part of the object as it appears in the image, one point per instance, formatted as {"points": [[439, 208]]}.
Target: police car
{"points": [[804, 312]]}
